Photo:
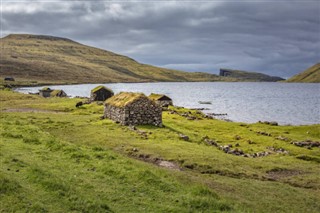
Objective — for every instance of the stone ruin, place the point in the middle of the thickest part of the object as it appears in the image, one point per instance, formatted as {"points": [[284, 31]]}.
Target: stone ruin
{"points": [[133, 109]]}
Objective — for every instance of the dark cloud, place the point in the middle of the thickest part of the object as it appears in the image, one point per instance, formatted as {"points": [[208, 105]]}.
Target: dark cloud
{"points": [[275, 37]]}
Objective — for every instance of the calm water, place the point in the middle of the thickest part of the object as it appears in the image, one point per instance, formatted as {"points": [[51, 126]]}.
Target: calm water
{"points": [[285, 103]]}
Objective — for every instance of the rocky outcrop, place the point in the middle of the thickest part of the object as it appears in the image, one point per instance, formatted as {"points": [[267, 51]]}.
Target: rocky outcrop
{"points": [[307, 143], [228, 149]]}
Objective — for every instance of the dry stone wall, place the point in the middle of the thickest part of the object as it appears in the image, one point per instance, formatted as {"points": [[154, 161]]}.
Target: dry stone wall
{"points": [[115, 113], [141, 111]]}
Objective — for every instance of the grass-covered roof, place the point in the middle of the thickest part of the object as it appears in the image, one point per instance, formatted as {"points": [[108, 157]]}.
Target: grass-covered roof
{"points": [[124, 98], [154, 96], [56, 92], [46, 89], [100, 87]]}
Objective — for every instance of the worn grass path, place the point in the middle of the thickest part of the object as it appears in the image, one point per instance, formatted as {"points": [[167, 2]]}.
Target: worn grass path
{"points": [[57, 158]]}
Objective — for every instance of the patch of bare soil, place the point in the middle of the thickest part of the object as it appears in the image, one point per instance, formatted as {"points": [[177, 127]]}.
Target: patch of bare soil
{"points": [[30, 110], [157, 161], [276, 174], [168, 164]]}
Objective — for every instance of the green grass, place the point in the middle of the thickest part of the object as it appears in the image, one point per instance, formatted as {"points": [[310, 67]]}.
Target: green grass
{"points": [[63, 159]]}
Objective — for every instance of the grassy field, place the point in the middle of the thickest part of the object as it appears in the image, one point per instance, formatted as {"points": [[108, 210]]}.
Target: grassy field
{"points": [[59, 158]]}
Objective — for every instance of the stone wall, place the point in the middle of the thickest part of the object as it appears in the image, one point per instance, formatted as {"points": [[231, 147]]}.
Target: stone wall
{"points": [[141, 111], [45, 93], [116, 113]]}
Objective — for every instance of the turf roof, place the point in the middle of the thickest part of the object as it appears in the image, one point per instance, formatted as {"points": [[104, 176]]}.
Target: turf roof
{"points": [[55, 92], [46, 89], [100, 87], [155, 96], [124, 98]]}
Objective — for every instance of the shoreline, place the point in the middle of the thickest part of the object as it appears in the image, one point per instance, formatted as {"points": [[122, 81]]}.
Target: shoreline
{"points": [[219, 114]]}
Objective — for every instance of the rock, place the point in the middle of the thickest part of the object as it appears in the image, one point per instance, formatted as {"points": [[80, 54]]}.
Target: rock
{"points": [[184, 137], [250, 142], [263, 133], [237, 137], [277, 150], [225, 148], [282, 138], [205, 137], [79, 104], [211, 142], [132, 127], [272, 123], [307, 143], [191, 118]]}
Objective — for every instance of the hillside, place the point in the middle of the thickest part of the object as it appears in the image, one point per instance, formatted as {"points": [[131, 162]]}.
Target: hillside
{"points": [[51, 59], [248, 76], [310, 75]]}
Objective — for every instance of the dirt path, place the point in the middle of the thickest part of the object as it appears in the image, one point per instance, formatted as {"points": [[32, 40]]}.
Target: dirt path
{"points": [[30, 110]]}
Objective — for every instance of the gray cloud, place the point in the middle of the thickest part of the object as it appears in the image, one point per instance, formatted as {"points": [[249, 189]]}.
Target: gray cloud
{"points": [[275, 37]]}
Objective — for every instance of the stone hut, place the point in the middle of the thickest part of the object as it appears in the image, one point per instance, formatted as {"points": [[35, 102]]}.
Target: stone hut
{"points": [[45, 92], [9, 79], [162, 100], [224, 72], [133, 109], [58, 93], [101, 93]]}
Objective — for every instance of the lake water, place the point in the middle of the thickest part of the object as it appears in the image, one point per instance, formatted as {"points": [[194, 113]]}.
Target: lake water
{"points": [[286, 103]]}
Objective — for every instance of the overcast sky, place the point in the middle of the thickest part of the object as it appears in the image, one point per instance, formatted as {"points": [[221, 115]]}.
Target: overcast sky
{"points": [[274, 37]]}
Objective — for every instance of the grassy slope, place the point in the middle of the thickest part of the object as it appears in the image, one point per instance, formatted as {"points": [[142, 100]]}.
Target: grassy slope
{"points": [[46, 168], [310, 75], [45, 59]]}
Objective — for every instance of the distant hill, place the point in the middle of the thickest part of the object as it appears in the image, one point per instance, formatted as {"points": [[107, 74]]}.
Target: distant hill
{"points": [[248, 76], [59, 60], [310, 75]]}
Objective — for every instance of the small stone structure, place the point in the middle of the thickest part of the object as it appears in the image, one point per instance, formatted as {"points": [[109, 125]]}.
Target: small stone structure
{"points": [[224, 72], [9, 79], [162, 100], [45, 92], [133, 109], [58, 93], [101, 93]]}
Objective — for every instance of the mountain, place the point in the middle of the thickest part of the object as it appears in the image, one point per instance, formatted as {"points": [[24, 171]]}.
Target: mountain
{"points": [[248, 76], [49, 59], [310, 75]]}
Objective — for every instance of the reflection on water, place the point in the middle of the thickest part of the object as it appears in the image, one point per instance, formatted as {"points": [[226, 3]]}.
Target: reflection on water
{"points": [[285, 103]]}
